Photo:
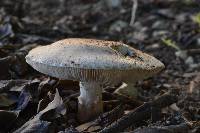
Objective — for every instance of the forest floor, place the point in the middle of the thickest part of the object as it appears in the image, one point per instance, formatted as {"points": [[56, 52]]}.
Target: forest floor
{"points": [[167, 103]]}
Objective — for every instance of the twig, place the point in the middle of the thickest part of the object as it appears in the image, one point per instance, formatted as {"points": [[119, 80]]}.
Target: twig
{"points": [[134, 8], [103, 120], [181, 128], [193, 51], [141, 113], [111, 116], [65, 100]]}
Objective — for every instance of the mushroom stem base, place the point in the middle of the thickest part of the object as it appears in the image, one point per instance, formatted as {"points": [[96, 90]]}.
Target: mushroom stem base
{"points": [[90, 101]]}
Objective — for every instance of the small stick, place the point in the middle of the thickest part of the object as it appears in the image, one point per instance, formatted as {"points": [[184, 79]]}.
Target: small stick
{"points": [[141, 113], [134, 8], [193, 51], [181, 128]]}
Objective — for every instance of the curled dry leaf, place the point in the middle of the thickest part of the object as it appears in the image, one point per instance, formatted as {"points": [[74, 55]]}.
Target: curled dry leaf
{"points": [[8, 119], [38, 124]]}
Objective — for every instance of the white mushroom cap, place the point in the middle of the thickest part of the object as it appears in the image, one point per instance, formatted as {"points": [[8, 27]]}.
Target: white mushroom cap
{"points": [[106, 62]]}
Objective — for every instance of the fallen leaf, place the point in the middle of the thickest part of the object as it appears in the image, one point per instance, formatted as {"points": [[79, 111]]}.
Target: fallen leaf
{"points": [[23, 100], [57, 105], [12, 85], [37, 123], [34, 125], [6, 101], [6, 31]]}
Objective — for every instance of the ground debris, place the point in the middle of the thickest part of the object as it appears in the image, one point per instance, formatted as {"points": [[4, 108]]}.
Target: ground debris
{"points": [[181, 128], [103, 120], [141, 113]]}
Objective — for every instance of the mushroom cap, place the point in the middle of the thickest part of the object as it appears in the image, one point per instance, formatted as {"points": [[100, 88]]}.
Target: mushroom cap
{"points": [[92, 60]]}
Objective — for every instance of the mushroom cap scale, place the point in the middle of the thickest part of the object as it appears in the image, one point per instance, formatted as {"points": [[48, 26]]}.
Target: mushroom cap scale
{"points": [[89, 59]]}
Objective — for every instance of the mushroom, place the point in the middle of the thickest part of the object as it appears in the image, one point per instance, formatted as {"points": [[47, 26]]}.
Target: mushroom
{"points": [[95, 63]]}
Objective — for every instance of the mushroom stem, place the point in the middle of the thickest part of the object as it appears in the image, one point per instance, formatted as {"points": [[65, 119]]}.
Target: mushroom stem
{"points": [[90, 101]]}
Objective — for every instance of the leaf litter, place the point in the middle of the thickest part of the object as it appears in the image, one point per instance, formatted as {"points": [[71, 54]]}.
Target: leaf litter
{"points": [[32, 102]]}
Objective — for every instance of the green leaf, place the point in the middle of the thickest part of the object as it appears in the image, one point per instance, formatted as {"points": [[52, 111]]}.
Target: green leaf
{"points": [[170, 43]]}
